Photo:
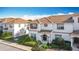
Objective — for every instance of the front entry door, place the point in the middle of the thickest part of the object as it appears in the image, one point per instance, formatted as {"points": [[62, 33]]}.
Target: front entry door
{"points": [[44, 37]]}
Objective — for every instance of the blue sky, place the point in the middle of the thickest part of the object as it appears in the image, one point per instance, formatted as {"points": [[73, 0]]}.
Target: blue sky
{"points": [[24, 11]]}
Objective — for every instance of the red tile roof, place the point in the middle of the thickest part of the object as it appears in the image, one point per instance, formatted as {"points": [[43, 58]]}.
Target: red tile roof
{"points": [[55, 19], [13, 20]]}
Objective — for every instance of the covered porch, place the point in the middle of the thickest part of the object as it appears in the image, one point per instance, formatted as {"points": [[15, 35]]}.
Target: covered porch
{"points": [[75, 40], [45, 36]]}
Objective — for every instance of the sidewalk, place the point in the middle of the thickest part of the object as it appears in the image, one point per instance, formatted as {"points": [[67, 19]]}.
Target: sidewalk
{"points": [[22, 47]]}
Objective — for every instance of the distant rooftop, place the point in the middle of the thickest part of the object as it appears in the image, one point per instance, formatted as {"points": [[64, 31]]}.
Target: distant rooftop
{"points": [[13, 20], [55, 19]]}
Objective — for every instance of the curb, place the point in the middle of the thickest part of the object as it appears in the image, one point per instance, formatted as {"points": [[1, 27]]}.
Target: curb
{"points": [[15, 45]]}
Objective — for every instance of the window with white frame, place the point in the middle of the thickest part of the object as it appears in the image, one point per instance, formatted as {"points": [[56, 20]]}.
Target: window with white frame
{"points": [[5, 28], [45, 25], [25, 25], [33, 26], [10, 26], [5, 25], [60, 26]]}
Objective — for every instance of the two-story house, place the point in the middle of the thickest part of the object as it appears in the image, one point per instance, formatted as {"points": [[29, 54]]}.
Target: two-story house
{"points": [[48, 28], [16, 26]]}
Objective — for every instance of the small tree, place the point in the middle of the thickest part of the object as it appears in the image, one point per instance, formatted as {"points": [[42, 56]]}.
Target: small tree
{"points": [[60, 42]]}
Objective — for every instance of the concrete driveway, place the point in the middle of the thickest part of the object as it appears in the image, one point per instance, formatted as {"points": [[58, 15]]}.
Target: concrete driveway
{"points": [[4, 47]]}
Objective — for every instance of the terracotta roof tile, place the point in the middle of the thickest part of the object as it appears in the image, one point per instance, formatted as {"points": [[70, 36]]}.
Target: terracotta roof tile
{"points": [[57, 19], [14, 20], [35, 21], [44, 20]]}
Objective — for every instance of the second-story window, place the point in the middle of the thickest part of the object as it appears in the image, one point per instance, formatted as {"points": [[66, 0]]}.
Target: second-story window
{"points": [[5, 25], [45, 25], [19, 25], [33, 26], [60, 26], [10, 26], [25, 25]]}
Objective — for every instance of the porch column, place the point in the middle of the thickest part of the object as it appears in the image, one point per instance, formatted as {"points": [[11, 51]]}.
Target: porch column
{"points": [[49, 39], [72, 42]]}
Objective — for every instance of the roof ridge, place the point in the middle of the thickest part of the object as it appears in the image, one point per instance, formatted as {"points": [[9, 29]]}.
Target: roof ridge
{"points": [[38, 21], [49, 20]]}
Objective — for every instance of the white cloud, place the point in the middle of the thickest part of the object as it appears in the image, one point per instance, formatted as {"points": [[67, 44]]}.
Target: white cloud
{"points": [[37, 16], [9, 17], [60, 14], [71, 13], [64, 13], [34, 16], [41, 16]]}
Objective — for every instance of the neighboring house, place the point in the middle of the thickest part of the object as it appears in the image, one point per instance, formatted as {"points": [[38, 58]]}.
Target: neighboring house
{"points": [[16, 26], [48, 28]]}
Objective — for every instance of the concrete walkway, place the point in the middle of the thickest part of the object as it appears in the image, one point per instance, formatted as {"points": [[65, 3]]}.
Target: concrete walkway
{"points": [[4, 47], [22, 47], [74, 48]]}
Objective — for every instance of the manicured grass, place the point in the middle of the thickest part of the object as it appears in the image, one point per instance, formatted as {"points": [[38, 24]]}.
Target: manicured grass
{"points": [[6, 36], [31, 43]]}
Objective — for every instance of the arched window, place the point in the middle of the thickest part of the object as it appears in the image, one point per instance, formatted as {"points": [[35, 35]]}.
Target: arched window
{"points": [[44, 37], [45, 25]]}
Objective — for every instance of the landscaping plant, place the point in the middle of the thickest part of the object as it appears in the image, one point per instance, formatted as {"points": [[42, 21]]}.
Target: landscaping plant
{"points": [[26, 40], [59, 43], [6, 35]]}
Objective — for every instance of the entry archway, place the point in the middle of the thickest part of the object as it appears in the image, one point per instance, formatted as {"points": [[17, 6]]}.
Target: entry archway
{"points": [[44, 37]]}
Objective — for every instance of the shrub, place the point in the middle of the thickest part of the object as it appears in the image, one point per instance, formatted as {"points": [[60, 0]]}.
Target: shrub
{"points": [[45, 46], [38, 43], [23, 39], [6, 35], [38, 49], [59, 41], [26, 40], [31, 43], [29, 39], [1, 33], [54, 46], [67, 46], [61, 44]]}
